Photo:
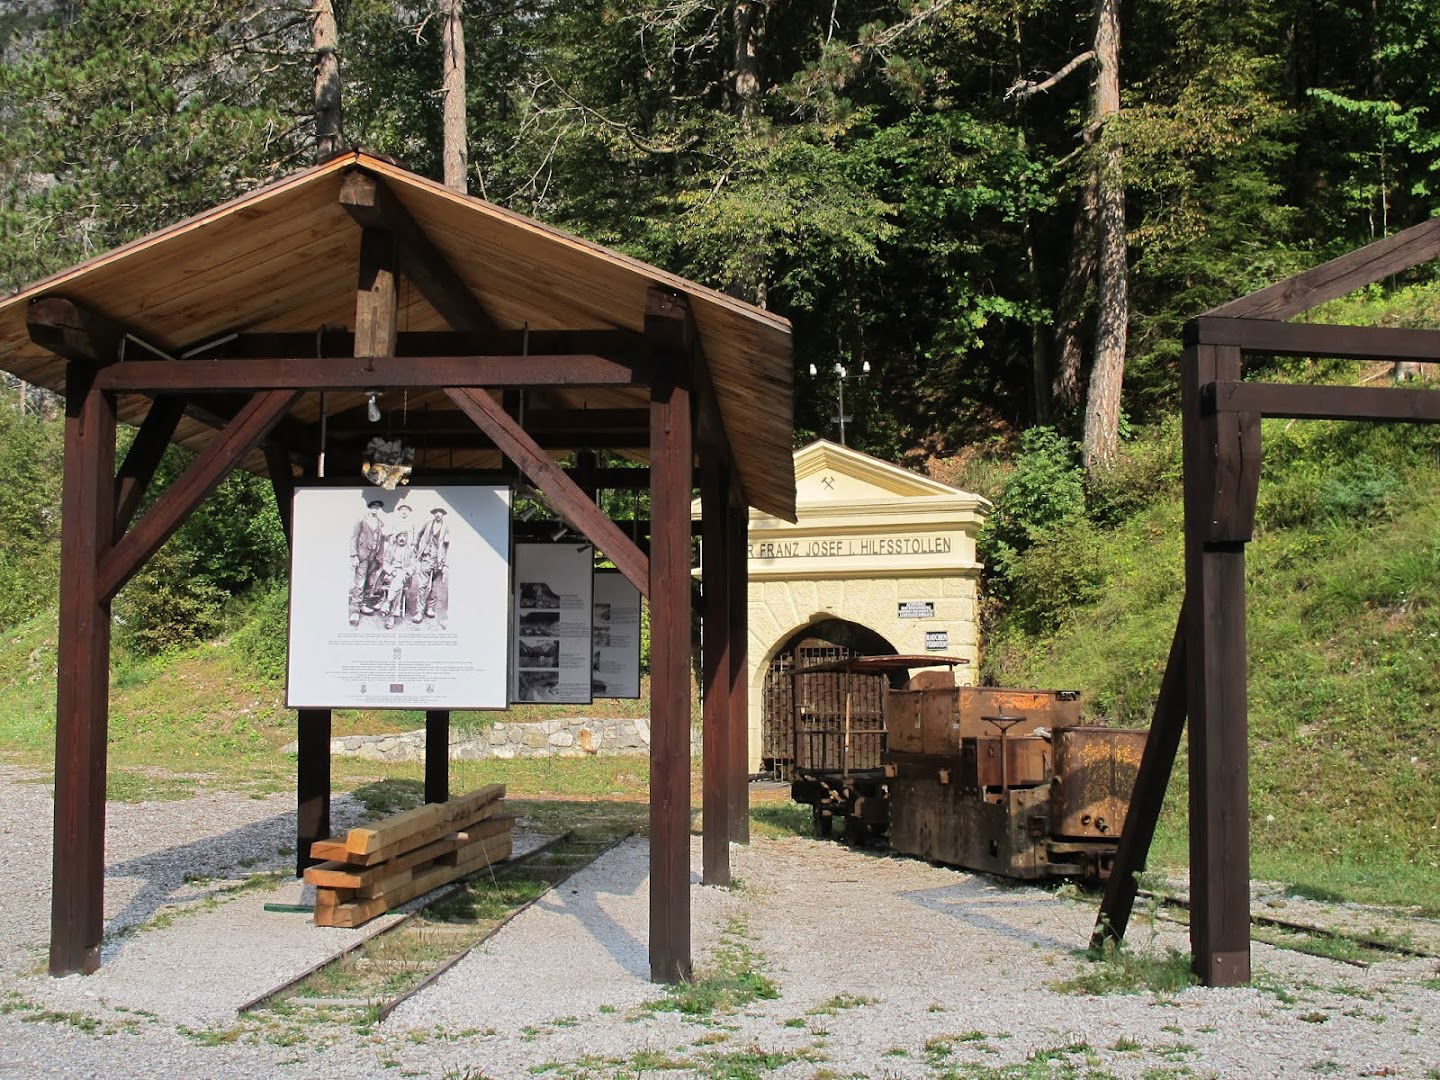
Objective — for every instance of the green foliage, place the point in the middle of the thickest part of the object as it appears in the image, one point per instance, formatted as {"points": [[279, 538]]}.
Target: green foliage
{"points": [[31, 456], [1343, 633], [230, 544], [1043, 495], [263, 637]]}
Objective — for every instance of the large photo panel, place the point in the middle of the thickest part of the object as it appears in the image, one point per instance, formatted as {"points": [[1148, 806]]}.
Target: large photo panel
{"points": [[399, 599], [552, 623]]}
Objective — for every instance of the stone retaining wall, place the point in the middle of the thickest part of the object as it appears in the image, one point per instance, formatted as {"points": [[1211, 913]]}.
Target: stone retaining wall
{"points": [[561, 737]]}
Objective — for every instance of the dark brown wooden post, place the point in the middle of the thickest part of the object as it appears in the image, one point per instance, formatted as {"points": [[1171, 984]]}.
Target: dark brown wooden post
{"points": [[312, 784], [715, 629], [738, 556], [437, 755], [670, 493], [87, 515], [1217, 525]]}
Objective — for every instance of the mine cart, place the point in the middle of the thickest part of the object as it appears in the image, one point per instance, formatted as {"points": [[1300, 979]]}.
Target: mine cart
{"points": [[1006, 781], [1001, 780], [838, 738]]}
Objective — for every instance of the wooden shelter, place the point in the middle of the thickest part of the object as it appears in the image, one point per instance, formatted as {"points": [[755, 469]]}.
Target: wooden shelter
{"points": [[504, 341], [1205, 675]]}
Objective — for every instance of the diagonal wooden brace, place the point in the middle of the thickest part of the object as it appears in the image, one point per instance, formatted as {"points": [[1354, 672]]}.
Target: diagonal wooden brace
{"points": [[132, 479], [210, 466], [564, 494], [1153, 777]]}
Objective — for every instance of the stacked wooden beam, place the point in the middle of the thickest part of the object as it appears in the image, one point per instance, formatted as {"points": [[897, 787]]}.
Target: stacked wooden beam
{"points": [[382, 865]]}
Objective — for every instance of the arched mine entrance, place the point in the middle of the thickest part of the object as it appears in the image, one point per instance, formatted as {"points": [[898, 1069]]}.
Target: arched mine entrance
{"points": [[816, 741]]}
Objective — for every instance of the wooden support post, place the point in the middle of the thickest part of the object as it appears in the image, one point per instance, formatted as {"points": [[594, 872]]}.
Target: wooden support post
{"points": [[312, 784], [1156, 765], [437, 755], [282, 482], [715, 628], [82, 709], [133, 478], [669, 564], [376, 295], [737, 555], [1221, 458]]}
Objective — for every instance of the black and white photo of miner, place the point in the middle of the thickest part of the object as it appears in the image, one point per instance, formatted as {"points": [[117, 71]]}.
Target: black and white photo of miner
{"points": [[399, 568]]}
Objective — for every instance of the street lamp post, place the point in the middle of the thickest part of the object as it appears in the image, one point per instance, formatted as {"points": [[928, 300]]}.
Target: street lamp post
{"points": [[841, 374]]}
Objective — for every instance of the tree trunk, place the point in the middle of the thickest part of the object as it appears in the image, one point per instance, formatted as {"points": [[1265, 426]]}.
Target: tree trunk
{"points": [[1102, 405], [453, 84], [746, 21], [324, 39], [1074, 295]]}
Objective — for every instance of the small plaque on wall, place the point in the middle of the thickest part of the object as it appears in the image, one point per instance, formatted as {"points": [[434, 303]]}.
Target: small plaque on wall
{"points": [[916, 609], [937, 640]]}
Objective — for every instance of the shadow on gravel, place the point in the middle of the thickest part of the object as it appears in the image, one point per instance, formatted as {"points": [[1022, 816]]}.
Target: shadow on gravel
{"points": [[208, 868]]}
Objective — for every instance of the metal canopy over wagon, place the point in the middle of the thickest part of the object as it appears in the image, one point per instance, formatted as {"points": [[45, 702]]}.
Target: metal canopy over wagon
{"points": [[255, 334]]}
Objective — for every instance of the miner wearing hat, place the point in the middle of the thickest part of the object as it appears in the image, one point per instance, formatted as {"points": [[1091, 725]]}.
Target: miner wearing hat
{"points": [[367, 548], [432, 551], [398, 575]]}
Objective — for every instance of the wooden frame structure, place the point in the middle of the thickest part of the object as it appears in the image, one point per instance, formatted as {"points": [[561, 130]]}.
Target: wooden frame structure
{"points": [[1205, 675], [658, 368]]}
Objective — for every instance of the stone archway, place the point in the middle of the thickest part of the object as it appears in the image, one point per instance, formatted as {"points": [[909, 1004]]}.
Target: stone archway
{"points": [[820, 641], [875, 547]]}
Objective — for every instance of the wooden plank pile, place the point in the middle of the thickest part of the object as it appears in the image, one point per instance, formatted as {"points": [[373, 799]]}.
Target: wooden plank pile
{"points": [[380, 866]]}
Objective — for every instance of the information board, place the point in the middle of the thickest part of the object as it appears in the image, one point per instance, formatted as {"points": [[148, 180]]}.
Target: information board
{"points": [[553, 597], [615, 637], [393, 598]]}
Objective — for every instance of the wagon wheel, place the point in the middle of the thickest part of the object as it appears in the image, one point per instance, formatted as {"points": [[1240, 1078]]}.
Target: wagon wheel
{"points": [[822, 822]]}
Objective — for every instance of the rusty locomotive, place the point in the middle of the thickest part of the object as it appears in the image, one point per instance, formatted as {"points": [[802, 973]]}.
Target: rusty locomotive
{"points": [[1005, 781]]}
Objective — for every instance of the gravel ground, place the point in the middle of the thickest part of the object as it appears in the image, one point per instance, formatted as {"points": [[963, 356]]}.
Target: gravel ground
{"points": [[883, 967]]}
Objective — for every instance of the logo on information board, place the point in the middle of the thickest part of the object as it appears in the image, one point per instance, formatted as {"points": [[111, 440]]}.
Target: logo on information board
{"points": [[916, 609], [937, 639]]}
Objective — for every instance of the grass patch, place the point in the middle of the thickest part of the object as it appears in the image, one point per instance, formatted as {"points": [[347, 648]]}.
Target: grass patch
{"points": [[775, 819], [1125, 971], [737, 979]]}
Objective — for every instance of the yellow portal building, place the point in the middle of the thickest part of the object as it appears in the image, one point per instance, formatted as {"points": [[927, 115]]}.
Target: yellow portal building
{"points": [[881, 560]]}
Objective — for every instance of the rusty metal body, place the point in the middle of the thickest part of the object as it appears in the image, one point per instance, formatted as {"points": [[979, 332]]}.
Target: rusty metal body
{"points": [[1005, 781]]}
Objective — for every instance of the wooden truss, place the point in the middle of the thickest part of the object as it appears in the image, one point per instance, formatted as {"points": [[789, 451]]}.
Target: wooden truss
{"points": [[245, 386], [1205, 676]]}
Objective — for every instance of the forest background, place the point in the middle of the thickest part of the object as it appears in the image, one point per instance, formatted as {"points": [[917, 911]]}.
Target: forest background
{"points": [[938, 189]]}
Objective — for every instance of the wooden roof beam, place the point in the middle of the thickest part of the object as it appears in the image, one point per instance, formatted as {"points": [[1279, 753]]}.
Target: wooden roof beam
{"points": [[73, 331], [373, 373], [334, 342], [562, 492], [367, 199], [670, 327], [1351, 271]]}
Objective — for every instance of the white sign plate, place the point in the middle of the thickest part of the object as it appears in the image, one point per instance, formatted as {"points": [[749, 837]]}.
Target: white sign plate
{"points": [[396, 606], [937, 640], [916, 609]]}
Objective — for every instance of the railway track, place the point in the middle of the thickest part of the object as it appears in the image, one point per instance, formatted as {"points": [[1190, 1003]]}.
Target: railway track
{"points": [[384, 969], [1309, 930]]}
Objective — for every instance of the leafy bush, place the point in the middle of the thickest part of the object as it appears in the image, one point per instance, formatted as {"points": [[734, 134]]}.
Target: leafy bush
{"points": [[169, 604], [231, 544], [263, 637], [1058, 575], [1044, 493], [1146, 471]]}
